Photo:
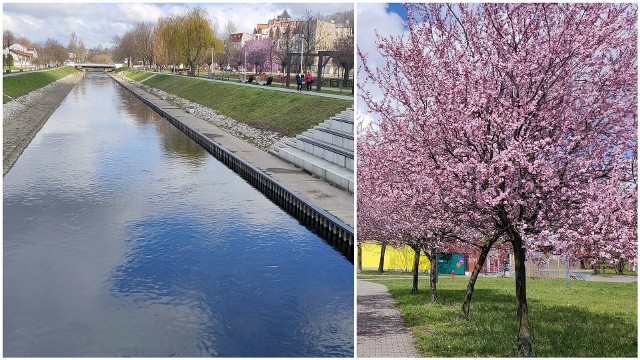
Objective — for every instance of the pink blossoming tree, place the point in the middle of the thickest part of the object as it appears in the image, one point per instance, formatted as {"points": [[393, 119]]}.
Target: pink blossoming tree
{"points": [[261, 54], [514, 117]]}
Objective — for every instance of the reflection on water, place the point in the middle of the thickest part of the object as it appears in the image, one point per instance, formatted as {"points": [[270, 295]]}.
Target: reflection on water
{"points": [[122, 237]]}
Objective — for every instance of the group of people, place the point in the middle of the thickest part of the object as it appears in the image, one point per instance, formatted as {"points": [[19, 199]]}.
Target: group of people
{"points": [[304, 79]]}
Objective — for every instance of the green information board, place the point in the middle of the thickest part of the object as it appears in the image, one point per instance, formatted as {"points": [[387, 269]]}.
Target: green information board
{"points": [[451, 262]]}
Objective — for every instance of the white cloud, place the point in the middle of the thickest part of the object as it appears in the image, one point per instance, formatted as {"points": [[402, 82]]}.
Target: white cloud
{"points": [[100, 22], [140, 12], [372, 19]]}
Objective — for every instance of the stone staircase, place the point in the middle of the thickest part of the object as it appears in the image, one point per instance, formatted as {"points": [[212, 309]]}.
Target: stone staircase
{"points": [[326, 150]]}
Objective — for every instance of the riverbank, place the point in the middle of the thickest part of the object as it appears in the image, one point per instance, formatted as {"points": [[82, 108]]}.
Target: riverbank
{"points": [[315, 202], [263, 139], [23, 117], [19, 84], [282, 112]]}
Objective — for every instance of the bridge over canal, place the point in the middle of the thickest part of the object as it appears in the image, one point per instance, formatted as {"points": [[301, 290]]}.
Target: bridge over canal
{"points": [[82, 66]]}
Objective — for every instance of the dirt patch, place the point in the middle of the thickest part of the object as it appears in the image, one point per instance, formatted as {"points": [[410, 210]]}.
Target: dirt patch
{"points": [[25, 116], [427, 330]]}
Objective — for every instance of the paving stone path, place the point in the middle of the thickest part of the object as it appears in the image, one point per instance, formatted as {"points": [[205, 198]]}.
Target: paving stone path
{"points": [[381, 331]]}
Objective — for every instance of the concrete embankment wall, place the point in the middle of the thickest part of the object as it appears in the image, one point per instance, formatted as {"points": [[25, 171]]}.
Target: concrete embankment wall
{"points": [[21, 127], [327, 226]]}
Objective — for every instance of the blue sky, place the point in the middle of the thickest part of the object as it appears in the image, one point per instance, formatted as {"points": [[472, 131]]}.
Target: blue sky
{"points": [[398, 9]]}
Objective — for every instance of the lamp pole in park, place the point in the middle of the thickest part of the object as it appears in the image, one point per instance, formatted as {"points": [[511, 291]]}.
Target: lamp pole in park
{"points": [[273, 43], [302, 50], [212, 50], [567, 273]]}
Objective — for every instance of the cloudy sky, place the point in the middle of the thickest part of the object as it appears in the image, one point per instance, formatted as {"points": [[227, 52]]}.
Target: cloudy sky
{"points": [[96, 23], [385, 20]]}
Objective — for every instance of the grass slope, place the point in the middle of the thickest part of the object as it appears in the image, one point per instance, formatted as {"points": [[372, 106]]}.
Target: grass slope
{"points": [[20, 85], [138, 75], [286, 113], [589, 319]]}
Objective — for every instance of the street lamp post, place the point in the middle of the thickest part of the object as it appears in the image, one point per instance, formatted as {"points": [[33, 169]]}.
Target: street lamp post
{"points": [[211, 73], [302, 50]]}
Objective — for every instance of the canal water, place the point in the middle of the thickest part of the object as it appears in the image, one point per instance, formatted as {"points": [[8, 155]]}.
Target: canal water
{"points": [[122, 237]]}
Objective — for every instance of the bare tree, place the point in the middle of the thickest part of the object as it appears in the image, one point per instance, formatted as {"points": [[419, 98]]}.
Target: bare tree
{"points": [[344, 56], [159, 46], [229, 52], [308, 29], [125, 47], [99, 55], [341, 17], [8, 39], [53, 52], [73, 47], [24, 41], [285, 44], [82, 51], [136, 44], [143, 38]]}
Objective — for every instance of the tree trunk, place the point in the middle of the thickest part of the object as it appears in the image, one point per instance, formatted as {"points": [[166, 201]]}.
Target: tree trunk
{"points": [[383, 248], [433, 276], [345, 76], [524, 334], [619, 267], [192, 70], [472, 281], [359, 257], [416, 266]]}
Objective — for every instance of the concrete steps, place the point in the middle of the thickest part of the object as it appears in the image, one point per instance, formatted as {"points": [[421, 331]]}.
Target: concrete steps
{"points": [[326, 150]]}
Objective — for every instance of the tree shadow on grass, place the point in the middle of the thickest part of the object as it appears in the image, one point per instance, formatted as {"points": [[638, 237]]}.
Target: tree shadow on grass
{"points": [[557, 331]]}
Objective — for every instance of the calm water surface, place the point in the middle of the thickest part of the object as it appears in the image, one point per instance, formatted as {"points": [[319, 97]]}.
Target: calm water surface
{"points": [[122, 237]]}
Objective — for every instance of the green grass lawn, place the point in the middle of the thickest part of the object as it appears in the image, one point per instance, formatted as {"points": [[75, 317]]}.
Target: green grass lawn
{"points": [[286, 113], [16, 86], [139, 75], [121, 69], [589, 319]]}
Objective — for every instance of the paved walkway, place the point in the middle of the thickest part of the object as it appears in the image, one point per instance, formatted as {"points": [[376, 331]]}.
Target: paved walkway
{"points": [[381, 331], [617, 279], [18, 72]]}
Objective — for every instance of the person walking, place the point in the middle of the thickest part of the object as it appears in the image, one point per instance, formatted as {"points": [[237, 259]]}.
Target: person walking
{"points": [[309, 80], [299, 78]]}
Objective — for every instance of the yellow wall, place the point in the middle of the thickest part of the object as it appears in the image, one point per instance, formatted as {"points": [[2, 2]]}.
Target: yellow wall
{"points": [[394, 258]]}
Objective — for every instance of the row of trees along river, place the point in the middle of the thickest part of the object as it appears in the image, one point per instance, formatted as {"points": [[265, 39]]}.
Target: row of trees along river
{"points": [[189, 38]]}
